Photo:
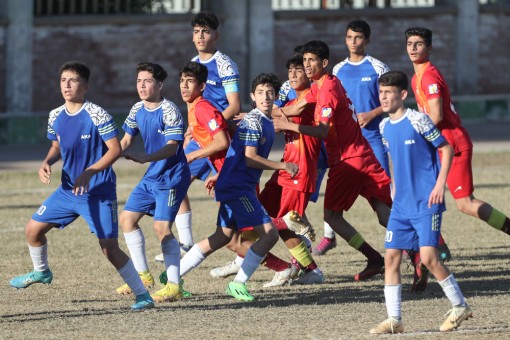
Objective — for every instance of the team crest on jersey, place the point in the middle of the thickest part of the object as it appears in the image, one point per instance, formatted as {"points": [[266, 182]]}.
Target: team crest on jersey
{"points": [[326, 112], [433, 89], [213, 125]]}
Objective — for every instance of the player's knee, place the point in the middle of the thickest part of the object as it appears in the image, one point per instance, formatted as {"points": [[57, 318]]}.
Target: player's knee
{"points": [[272, 236]]}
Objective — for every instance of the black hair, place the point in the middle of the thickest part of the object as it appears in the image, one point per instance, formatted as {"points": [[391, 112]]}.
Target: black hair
{"points": [[296, 59], [422, 32], [394, 78], [317, 47], [157, 71], [360, 26], [76, 66], [194, 69], [205, 19], [266, 78]]}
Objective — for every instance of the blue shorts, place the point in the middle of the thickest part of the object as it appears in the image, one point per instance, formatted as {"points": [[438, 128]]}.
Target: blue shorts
{"points": [[199, 168], [413, 233], [63, 207], [243, 212], [160, 202]]}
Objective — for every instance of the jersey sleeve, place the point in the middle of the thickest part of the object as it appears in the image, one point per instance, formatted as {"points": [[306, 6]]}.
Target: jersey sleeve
{"points": [[250, 131], [210, 118], [229, 74], [51, 134], [431, 85], [283, 94], [425, 127], [174, 124], [326, 102], [105, 124], [130, 125], [382, 124]]}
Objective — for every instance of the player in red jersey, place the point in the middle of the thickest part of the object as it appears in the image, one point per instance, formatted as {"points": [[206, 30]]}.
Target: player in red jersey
{"points": [[433, 97], [354, 170]]}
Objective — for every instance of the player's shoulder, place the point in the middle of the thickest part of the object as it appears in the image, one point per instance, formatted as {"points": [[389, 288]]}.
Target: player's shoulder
{"points": [[226, 66], [379, 67], [339, 66], [168, 106], [252, 120], [419, 120], [55, 113], [383, 123], [97, 114]]}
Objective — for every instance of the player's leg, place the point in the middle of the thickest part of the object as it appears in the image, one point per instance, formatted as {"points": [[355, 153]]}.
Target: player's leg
{"points": [[460, 183], [55, 211], [231, 267]]}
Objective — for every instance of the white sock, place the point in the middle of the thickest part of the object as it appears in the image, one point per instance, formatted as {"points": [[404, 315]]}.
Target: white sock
{"points": [[39, 257], [239, 260], [393, 297], [183, 225], [131, 277], [328, 231], [250, 264], [452, 291], [135, 242], [172, 256], [192, 259]]}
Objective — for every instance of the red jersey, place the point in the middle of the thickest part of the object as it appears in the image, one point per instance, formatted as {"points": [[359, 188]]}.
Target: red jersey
{"points": [[334, 108], [205, 121], [302, 150], [430, 84]]}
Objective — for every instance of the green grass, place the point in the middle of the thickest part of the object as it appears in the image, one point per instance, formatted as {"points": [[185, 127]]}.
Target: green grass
{"points": [[81, 301]]}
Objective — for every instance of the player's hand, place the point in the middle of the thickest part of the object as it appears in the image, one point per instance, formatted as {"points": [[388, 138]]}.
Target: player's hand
{"points": [[210, 183], [437, 195], [364, 118], [238, 117], [45, 173], [280, 123], [81, 184], [136, 158], [291, 168]]}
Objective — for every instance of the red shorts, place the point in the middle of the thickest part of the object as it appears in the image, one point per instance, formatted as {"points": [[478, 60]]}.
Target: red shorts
{"points": [[354, 177], [280, 200], [460, 177]]}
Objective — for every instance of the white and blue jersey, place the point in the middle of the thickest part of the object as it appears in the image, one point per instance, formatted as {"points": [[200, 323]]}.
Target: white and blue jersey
{"points": [[360, 82], [82, 137], [235, 177], [285, 95], [157, 127], [412, 141], [222, 78]]}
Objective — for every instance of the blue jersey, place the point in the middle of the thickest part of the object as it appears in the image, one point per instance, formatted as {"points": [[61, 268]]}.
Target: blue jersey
{"points": [[82, 137], [412, 141], [285, 95], [256, 130], [157, 127], [222, 78], [360, 82]]}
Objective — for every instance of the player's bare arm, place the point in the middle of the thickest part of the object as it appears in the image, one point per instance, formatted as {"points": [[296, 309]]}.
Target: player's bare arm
{"points": [[437, 194], [81, 184], [210, 183], [219, 143], [253, 160], [282, 123], [436, 110], [234, 105], [364, 118], [126, 142], [51, 158], [166, 151], [291, 110]]}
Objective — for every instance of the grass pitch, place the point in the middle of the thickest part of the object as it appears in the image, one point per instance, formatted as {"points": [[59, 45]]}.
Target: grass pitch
{"points": [[82, 303]]}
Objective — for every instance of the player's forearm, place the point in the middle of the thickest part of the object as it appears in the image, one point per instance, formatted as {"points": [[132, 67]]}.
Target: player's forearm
{"points": [[113, 153], [231, 110], [165, 152], [262, 163], [214, 147], [446, 162], [53, 154]]}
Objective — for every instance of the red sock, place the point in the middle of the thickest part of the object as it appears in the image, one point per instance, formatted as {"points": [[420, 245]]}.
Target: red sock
{"points": [[280, 223], [275, 263], [441, 240]]}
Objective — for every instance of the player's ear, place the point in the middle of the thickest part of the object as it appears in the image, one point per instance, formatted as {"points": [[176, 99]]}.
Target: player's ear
{"points": [[202, 87], [403, 94], [252, 96], [325, 63]]}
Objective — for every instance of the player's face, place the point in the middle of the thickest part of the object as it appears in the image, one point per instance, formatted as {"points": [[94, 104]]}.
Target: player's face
{"points": [[264, 97], [297, 77], [72, 87], [149, 89], [190, 88], [391, 98], [417, 49], [314, 66], [356, 42], [205, 39]]}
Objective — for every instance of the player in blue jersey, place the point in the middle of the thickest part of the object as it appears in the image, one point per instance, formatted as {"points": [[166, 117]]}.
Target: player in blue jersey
{"points": [[222, 90], [85, 137], [359, 73], [419, 181], [235, 189], [164, 184]]}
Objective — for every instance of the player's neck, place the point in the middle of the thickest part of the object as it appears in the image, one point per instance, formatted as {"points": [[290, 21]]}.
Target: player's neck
{"points": [[420, 66], [356, 58], [74, 106], [206, 55], [397, 114], [152, 104]]}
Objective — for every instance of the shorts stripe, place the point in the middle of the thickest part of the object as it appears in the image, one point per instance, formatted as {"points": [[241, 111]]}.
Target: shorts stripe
{"points": [[172, 193], [247, 204]]}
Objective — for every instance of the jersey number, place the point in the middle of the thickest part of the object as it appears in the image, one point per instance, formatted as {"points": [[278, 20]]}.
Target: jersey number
{"points": [[41, 210], [389, 236]]}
